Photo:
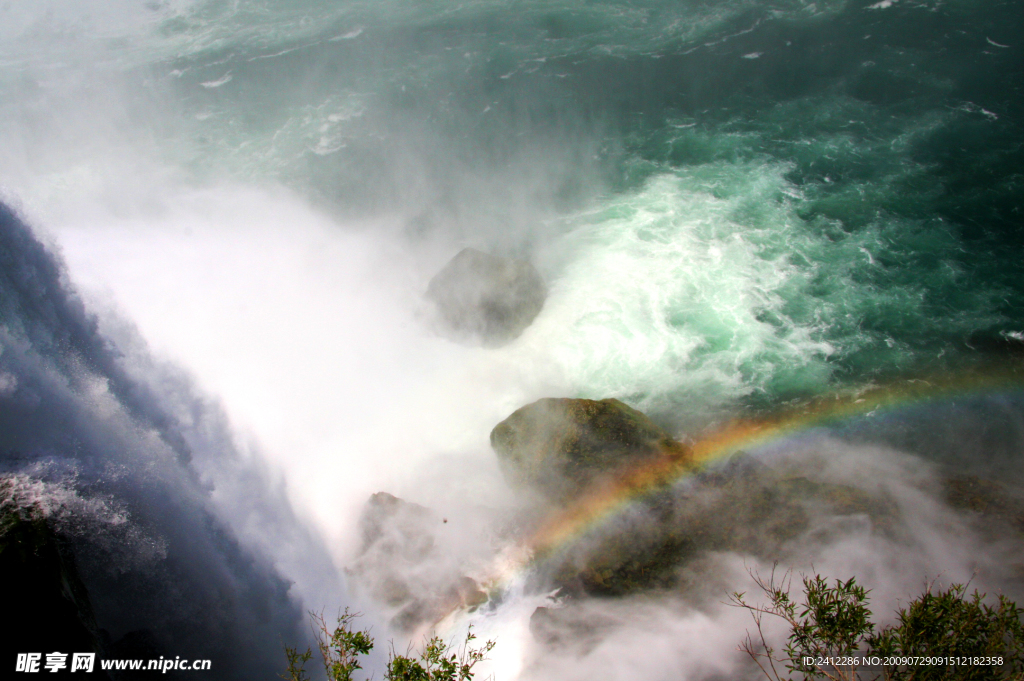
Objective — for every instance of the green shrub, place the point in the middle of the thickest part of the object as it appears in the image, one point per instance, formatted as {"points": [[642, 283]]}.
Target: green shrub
{"points": [[341, 648], [939, 636], [945, 624]]}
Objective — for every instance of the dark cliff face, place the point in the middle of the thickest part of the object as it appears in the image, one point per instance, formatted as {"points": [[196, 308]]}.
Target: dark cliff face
{"points": [[108, 424], [46, 606]]}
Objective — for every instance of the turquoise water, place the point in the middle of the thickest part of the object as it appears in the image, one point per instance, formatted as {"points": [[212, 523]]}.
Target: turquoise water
{"points": [[735, 205], [753, 199]]}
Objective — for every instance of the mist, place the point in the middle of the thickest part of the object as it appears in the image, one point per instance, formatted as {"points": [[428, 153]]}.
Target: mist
{"points": [[222, 384]]}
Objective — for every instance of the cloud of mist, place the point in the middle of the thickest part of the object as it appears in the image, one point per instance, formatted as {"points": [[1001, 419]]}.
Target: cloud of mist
{"points": [[914, 532], [303, 324]]}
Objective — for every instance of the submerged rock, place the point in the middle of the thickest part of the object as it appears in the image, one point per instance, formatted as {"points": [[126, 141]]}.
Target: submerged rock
{"points": [[560, 446], [484, 297]]}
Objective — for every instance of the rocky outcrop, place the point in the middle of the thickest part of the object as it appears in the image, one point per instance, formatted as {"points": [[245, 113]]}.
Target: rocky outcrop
{"points": [[558, 447], [47, 607], [997, 508], [399, 529], [750, 509], [565, 448], [404, 565], [570, 628], [483, 298]]}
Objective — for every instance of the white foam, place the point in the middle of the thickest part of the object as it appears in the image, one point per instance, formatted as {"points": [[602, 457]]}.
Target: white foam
{"points": [[223, 80]]}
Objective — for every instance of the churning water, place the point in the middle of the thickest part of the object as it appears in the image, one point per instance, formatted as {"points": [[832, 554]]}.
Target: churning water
{"points": [[221, 217]]}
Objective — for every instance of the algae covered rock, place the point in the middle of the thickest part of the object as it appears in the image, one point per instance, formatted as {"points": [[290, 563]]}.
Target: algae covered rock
{"points": [[747, 509], [997, 507], [559, 446], [486, 298]]}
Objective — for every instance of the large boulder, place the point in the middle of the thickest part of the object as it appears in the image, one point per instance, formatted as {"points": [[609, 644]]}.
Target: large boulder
{"points": [[666, 539], [559, 447], [484, 298]]}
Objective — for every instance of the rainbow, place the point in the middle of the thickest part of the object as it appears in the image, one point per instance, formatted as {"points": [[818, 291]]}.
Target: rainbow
{"points": [[604, 502]]}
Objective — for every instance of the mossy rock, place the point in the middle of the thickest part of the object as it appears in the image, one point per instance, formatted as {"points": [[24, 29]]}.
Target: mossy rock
{"points": [[559, 446], [755, 513], [992, 502]]}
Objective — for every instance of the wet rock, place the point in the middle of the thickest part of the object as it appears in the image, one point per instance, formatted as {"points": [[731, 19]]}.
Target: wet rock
{"points": [[575, 626], [396, 527], [743, 509], [468, 593], [485, 298], [405, 565], [47, 605], [997, 506], [463, 593], [558, 447]]}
